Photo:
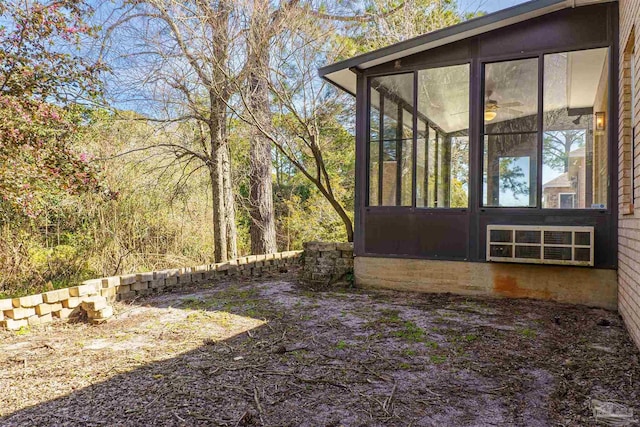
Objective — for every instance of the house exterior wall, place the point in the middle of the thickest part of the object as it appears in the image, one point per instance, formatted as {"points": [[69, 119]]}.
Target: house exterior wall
{"points": [[406, 247], [459, 234], [552, 195], [577, 177], [565, 284], [629, 210]]}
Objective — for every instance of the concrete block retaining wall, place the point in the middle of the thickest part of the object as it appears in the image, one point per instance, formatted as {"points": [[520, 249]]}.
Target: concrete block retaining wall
{"points": [[326, 263], [94, 297]]}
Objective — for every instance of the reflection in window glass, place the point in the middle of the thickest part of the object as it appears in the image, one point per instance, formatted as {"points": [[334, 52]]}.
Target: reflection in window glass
{"points": [[421, 162], [406, 163], [432, 166], [567, 200], [443, 144], [391, 141], [374, 148], [574, 151], [510, 128], [509, 170], [459, 172]]}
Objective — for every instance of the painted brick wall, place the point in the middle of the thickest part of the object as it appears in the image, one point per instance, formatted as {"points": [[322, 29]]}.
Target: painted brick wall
{"points": [[629, 221]]}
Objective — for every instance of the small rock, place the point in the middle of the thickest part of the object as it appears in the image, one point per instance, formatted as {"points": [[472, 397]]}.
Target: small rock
{"points": [[280, 350], [238, 358], [602, 348]]}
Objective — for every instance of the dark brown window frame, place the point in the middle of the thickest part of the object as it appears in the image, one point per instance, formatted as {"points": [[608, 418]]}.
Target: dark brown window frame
{"points": [[381, 140], [481, 62], [540, 54], [460, 234], [430, 126], [480, 198]]}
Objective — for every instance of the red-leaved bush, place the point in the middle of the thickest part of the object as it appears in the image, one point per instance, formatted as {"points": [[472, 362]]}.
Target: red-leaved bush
{"points": [[41, 83]]}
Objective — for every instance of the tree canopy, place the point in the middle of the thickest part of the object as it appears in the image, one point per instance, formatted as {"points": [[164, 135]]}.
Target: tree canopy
{"points": [[41, 82], [233, 137]]}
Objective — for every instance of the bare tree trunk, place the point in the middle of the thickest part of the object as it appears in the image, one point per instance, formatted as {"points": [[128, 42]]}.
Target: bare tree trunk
{"points": [[344, 217], [219, 231], [262, 228], [216, 171], [230, 210]]}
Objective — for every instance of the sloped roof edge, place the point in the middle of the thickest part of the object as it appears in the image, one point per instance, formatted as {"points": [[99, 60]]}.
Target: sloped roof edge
{"points": [[343, 74]]}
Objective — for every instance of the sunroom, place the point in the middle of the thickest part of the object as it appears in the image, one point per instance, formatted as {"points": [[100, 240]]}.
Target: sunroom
{"points": [[487, 155]]}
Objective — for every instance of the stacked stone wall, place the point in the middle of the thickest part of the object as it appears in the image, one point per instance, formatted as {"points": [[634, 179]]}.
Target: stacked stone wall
{"points": [[327, 264], [93, 298]]}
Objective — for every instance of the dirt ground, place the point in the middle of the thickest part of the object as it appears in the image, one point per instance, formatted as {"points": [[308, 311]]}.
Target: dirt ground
{"points": [[273, 353]]}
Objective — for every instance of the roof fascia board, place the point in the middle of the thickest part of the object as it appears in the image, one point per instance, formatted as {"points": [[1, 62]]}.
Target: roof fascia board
{"points": [[454, 38], [446, 35]]}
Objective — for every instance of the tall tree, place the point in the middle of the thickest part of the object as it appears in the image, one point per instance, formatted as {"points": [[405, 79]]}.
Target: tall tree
{"points": [[262, 228], [267, 20], [305, 107], [559, 144], [409, 19], [185, 68]]}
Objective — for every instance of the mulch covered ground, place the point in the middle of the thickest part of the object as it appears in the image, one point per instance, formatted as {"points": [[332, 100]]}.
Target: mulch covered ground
{"points": [[273, 353]]}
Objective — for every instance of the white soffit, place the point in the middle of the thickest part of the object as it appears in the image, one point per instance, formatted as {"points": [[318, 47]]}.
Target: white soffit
{"points": [[585, 69], [345, 79]]}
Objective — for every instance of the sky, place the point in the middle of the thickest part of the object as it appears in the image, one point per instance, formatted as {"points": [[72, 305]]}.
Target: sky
{"points": [[486, 5]]}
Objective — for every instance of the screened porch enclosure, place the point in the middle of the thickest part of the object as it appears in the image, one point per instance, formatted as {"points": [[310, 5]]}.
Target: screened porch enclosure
{"points": [[489, 131], [441, 128]]}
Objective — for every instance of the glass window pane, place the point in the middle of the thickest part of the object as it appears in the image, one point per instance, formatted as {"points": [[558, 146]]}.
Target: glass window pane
{"points": [[374, 148], [432, 168], [459, 172], [575, 146], [443, 143], [390, 141], [421, 163], [511, 96], [509, 172], [510, 127], [406, 165], [392, 101]]}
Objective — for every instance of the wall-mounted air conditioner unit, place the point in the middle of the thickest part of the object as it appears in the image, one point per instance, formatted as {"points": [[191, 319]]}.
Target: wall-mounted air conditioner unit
{"points": [[540, 244]]}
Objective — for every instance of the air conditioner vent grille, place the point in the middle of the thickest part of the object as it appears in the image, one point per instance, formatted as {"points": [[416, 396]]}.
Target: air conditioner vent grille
{"points": [[569, 245], [583, 239], [582, 254], [532, 252], [527, 236], [501, 236], [501, 250], [557, 253], [558, 237]]}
